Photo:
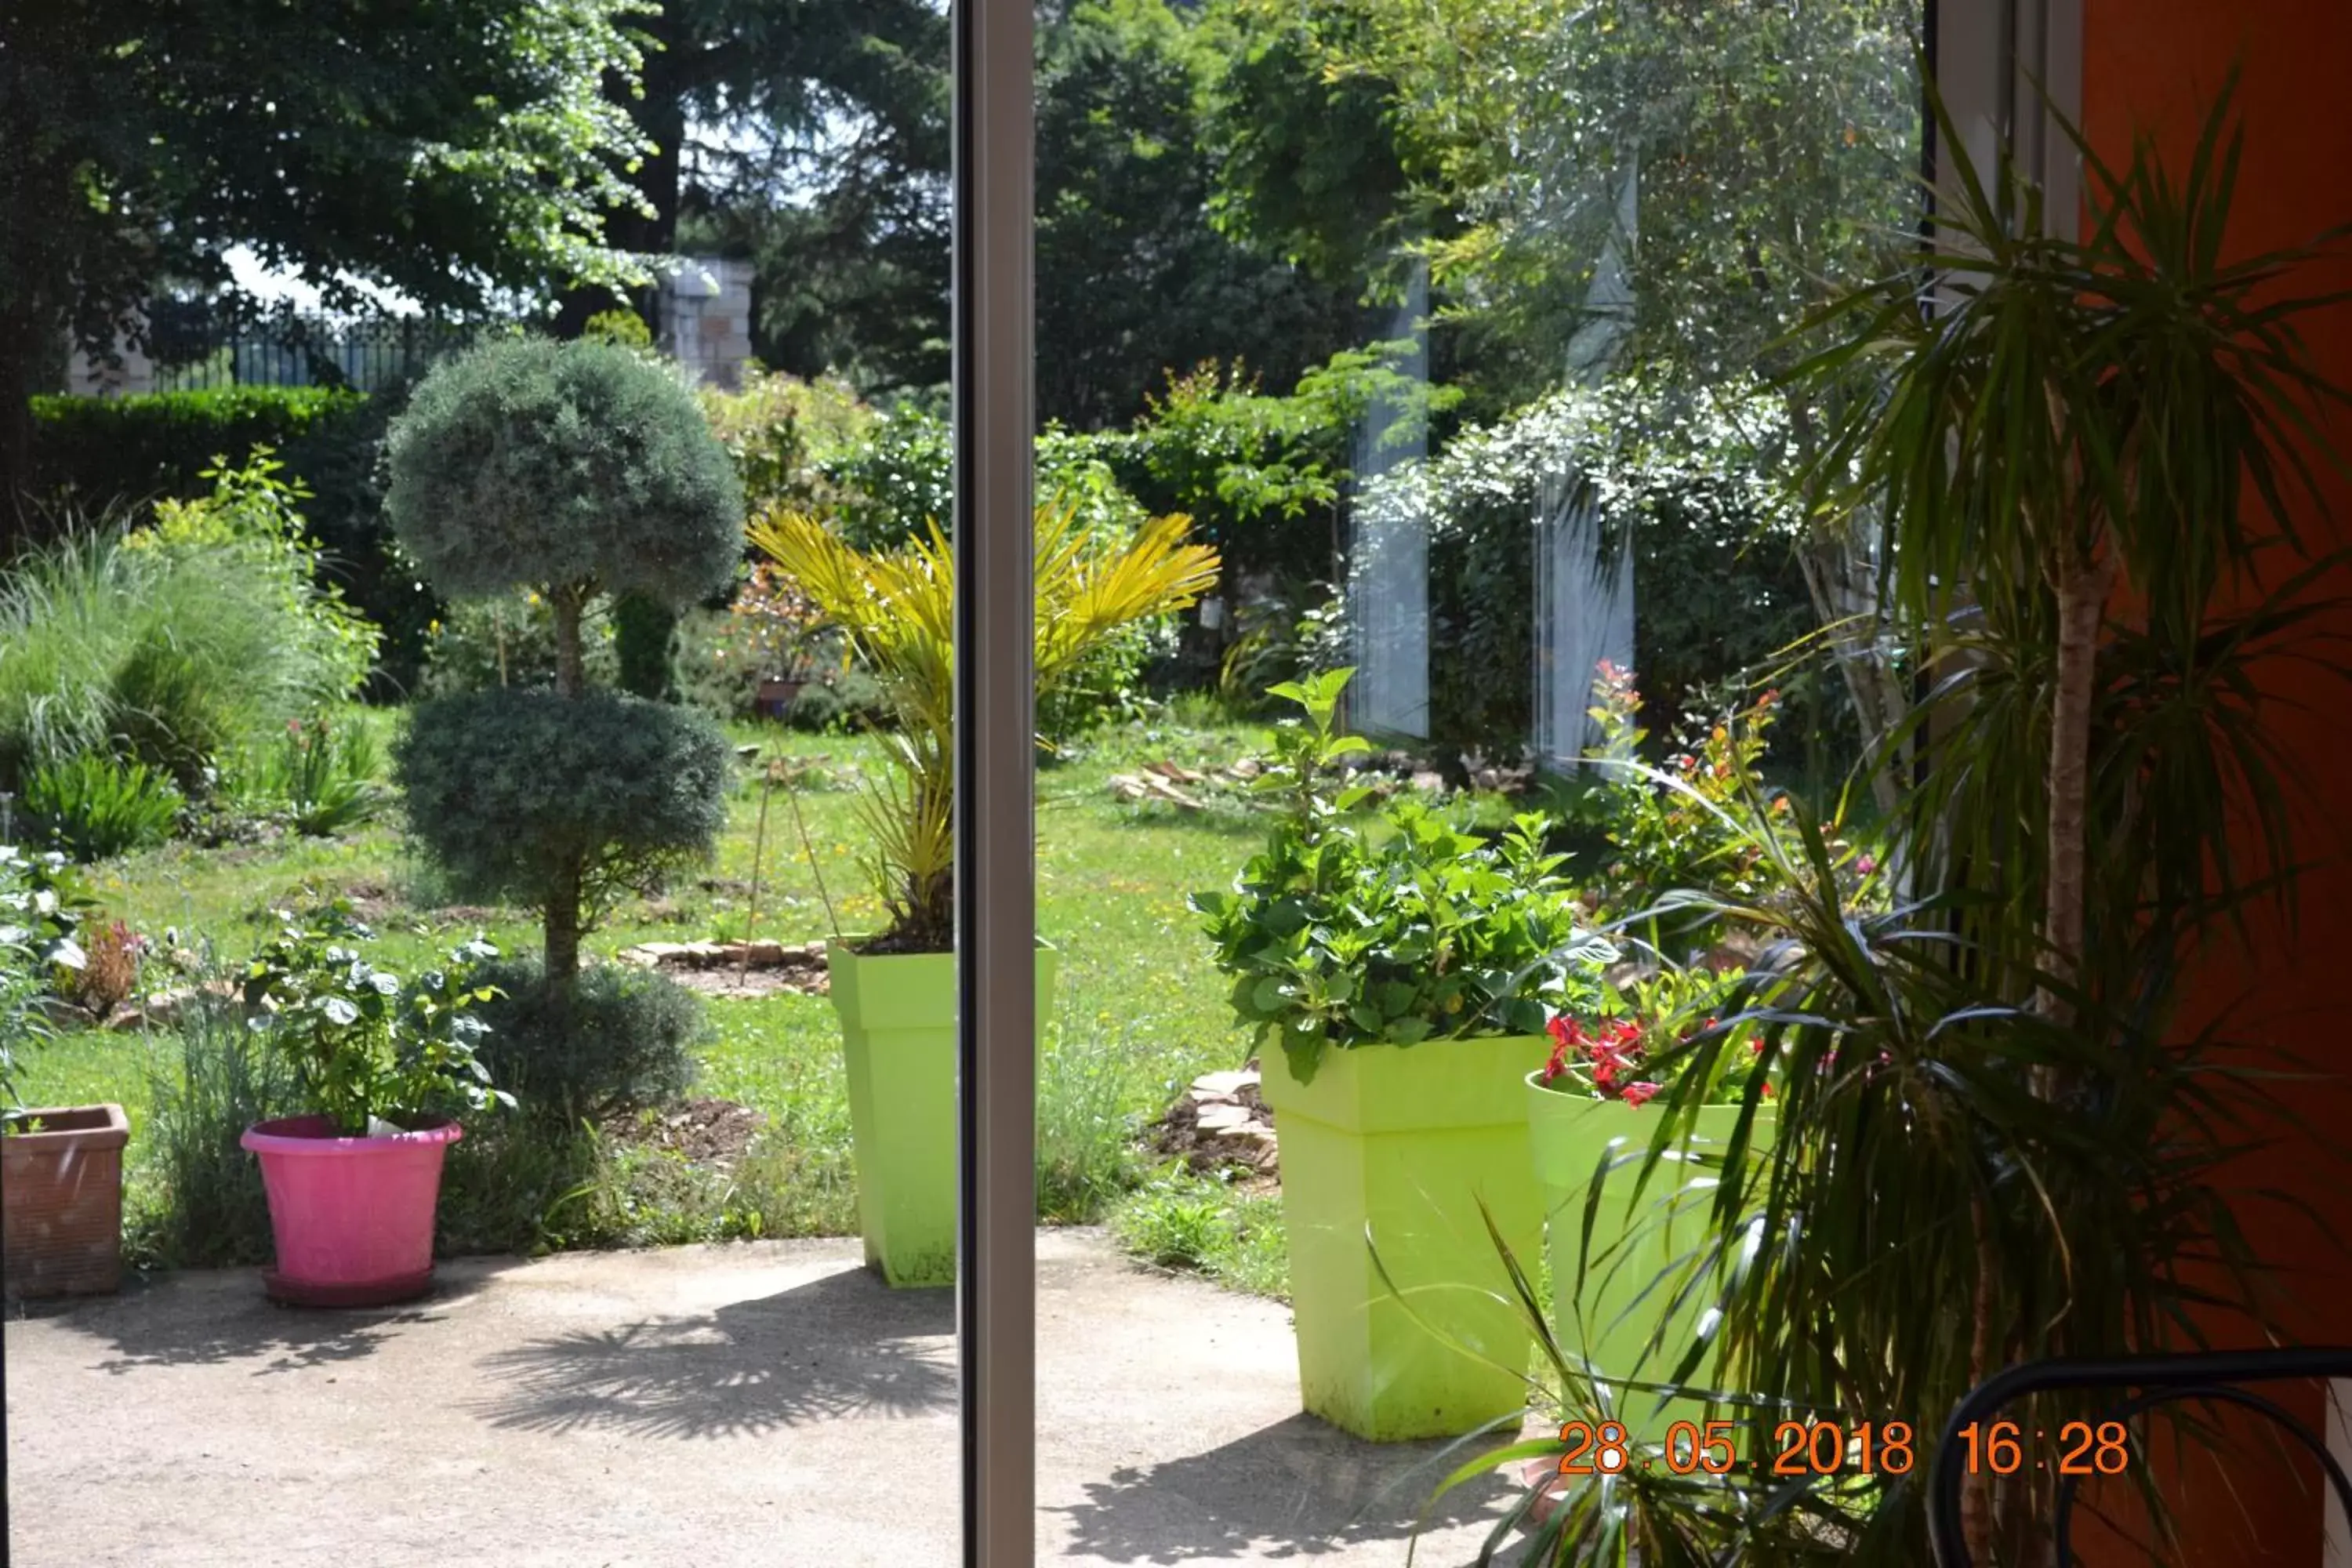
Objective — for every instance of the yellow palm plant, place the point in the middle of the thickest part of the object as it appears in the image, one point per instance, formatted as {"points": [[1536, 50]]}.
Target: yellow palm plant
{"points": [[897, 608]]}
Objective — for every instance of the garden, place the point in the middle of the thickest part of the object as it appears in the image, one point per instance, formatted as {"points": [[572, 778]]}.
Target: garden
{"points": [[508, 810]]}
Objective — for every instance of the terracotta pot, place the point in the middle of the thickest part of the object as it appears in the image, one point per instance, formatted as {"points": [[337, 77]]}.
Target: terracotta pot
{"points": [[61, 1203], [352, 1217], [776, 696]]}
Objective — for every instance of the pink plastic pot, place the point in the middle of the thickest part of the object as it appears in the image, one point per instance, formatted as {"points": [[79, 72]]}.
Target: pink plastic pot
{"points": [[352, 1217]]}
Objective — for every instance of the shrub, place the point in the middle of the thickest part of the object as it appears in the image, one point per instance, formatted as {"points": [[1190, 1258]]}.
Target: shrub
{"points": [[528, 463], [94, 807], [1345, 931], [200, 1203], [788, 437], [624, 1037], [572, 470], [105, 450], [109, 974], [174, 646], [523, 795], [252, 516], [769, 631], [846, 700], [121, 452]]}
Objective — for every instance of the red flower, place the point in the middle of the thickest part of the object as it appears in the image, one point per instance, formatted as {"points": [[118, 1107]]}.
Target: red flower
{"points": [[1640, 1093]]}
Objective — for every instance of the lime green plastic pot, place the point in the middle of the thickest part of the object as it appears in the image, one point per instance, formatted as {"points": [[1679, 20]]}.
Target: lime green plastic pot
{"points": [[1399, 1144], [897, 1014], [1634, 1242]]}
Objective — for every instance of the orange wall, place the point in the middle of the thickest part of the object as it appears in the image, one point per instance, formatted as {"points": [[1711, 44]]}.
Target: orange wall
{"points": [[2152, 65]]}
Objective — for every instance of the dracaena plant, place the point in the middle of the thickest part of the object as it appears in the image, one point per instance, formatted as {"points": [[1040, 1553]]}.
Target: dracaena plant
{"points": [[1997, 1138], [1356, 927], [370, 1048], [897, 607]]}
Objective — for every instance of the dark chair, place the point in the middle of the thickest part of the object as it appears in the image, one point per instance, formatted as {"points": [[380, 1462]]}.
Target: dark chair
{"points": [[2145, 1381]]}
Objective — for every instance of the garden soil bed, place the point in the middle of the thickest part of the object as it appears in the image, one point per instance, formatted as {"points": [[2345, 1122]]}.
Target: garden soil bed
{"points": [[705, 1132], [738, 969], [1221, 1123]]}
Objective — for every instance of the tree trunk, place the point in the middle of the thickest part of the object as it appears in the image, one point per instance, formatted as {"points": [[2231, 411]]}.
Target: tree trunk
{"points": [[566, 604], [564, 896], [2083, 585], [562, 933]]}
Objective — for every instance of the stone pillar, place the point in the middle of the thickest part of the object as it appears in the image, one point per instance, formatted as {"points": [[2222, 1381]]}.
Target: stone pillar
{"points": [[705, 319]]}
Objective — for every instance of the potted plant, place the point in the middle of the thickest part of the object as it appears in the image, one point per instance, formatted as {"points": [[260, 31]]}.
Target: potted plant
{"points": [[1403, 966], [60, 1166], [1653, 1064], [353, 1187], [894, 991]]}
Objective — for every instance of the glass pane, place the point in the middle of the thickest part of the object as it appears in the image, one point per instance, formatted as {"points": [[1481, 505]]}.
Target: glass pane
{"points": [[1451, 330]]}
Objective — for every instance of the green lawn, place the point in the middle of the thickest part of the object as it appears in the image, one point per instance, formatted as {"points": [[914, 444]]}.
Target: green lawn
{"points": [[1139, 1011]]}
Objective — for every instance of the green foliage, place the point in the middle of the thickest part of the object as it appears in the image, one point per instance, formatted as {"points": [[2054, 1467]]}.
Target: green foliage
{"points": [[574, 468], [509, 641], [505, 788], [1186, 1222], [104, 451], [174, 656], [1280, 639], [480, 156], [322, 774], [1086, 1134], [1520, 123], [366, 1047], [41, 905], [1309, 163], [896, 608], [1692, 489], [644, 637], [1132, 276], [253, 517], [844, 701], [786, 435], [769, 631], [896, 483], [125, 452], [1354, 929], [623, 329], [624, 1037], [196, 1200], [94, 806]]}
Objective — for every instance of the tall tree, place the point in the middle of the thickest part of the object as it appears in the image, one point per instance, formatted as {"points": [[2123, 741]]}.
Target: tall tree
{"points": [[447, 152], [845, 218], [735, 94]]}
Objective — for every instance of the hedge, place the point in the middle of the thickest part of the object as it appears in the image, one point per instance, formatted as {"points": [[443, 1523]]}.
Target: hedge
{"points": [[110, 449], [101, 452]]}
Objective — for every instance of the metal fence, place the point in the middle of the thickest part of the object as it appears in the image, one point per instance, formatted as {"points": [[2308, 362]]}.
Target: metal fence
{"points": [[193, 347]]}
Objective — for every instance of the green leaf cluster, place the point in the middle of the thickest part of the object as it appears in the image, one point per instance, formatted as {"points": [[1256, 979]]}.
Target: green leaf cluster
{"points": [[368, 1046], [508, 789], [577, 466], [1354, 927]]}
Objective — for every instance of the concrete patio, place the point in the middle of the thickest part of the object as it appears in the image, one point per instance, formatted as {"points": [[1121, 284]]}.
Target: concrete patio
{"points": [[763, 1403]]}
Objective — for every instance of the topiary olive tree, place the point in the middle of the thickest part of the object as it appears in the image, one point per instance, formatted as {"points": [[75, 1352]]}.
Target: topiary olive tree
{"points": [[576, 469]]}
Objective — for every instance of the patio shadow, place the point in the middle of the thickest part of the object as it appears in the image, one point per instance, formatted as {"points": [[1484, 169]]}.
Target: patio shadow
{"points": [[1299, 1488], [209, 1317], [838, 1348]]}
